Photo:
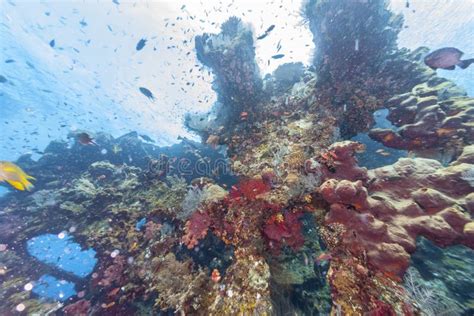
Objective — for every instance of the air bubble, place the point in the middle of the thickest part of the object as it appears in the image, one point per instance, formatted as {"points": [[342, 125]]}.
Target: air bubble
{"points": [[28, 286], [20, 307]]}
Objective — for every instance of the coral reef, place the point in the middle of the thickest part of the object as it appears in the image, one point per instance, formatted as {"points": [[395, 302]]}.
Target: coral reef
{"points": [[298, 221], [179, 288], [283, 78], [357, 60], [434, 120], [79, 308], [231, 56]]}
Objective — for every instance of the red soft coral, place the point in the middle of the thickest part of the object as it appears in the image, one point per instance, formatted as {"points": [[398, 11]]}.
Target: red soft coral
{"points": [[196, 228], [284, 229], [250, 189]]}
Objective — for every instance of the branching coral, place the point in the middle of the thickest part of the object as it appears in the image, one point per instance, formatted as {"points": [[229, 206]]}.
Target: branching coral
{"points": [[191, 202]]}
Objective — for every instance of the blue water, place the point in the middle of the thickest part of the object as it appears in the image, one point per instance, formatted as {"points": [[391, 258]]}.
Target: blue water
{"points": [[370, 158], [52, 288], [62, 253]]}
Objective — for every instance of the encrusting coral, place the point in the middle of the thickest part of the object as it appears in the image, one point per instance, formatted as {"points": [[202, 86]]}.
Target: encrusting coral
{"points": [[431, 124], [385, 211]]}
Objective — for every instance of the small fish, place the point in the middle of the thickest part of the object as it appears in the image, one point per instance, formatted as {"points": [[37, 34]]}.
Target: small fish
{"points": [[447, 58], [116, 2], [52, 43], [147, 93], [267, 32], [15, 176], [85, 139], [141, 43], [382, 152], [278, 56], [83, 23], [270, 28], [8, 61], [3, 79]]}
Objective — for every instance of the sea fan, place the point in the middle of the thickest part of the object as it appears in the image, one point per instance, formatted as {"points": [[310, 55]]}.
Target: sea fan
{"points": [[191, 202], [429, 298]]}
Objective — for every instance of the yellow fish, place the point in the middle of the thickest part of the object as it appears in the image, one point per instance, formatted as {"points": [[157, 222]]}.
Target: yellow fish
{"points": [[15, 176]]}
